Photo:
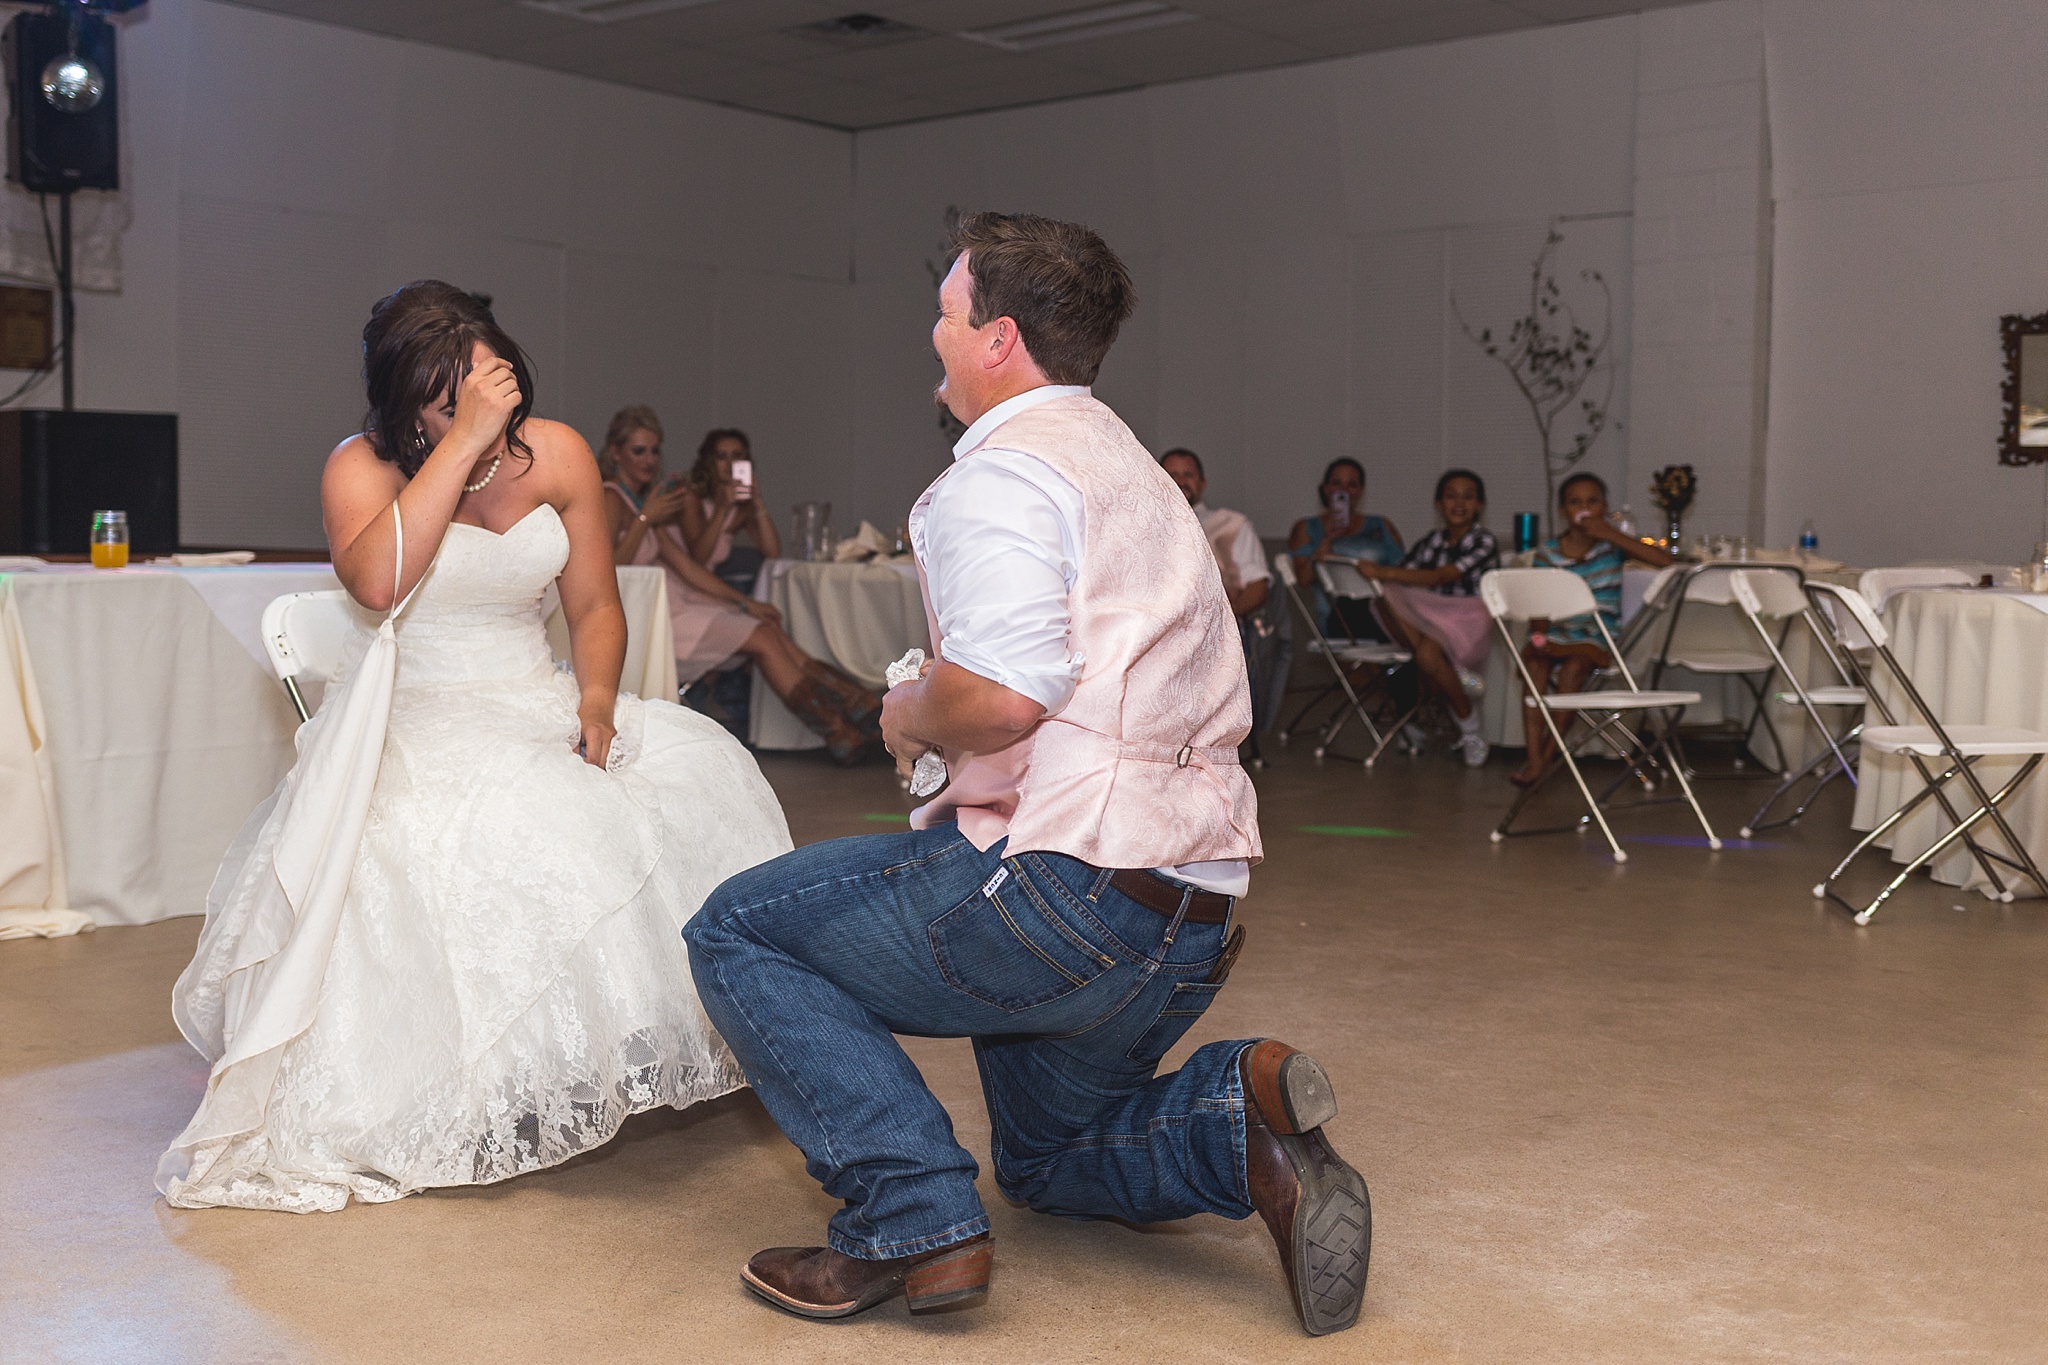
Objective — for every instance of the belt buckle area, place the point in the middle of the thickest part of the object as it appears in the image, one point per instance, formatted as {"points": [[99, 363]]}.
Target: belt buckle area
{"points": [[1185, 756]]}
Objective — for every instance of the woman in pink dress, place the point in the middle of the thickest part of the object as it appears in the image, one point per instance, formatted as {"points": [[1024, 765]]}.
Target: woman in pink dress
{"points": [[713, 622], [724, 504]]}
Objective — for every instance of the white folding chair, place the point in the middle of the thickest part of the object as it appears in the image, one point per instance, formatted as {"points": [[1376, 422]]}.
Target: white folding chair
{"points": [[1707, 585], [1557, 595], [305, 635], [1878, 585], [1961, 747], [1344, 655], [1781, 597]]}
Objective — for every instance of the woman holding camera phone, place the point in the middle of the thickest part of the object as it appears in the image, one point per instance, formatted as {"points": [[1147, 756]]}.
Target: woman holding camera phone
{"points": [[727, 500], [715, 623], [1343, 531]]}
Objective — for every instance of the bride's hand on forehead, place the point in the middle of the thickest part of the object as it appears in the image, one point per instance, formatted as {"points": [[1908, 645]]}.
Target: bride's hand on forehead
{"points": [[484, 403]]}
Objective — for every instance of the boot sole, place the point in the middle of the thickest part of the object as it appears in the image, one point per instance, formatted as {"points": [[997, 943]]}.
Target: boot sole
{"points": [[1295, 1096], [1332, 1235]]}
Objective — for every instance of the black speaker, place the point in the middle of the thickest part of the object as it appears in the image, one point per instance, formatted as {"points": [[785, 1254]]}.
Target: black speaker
{"points": [[58, 468], [50, 149]]}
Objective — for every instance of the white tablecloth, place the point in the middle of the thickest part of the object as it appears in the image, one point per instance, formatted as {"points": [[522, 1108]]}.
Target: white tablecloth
{"points": [[139, 726], [1978, 658], [861, 617]]}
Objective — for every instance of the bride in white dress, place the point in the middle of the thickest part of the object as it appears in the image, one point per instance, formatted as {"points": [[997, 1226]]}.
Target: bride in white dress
{"points": [[447, 950]]}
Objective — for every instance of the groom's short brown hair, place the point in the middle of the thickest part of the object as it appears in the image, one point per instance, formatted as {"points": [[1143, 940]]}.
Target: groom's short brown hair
{"points": [[1062, 285]]}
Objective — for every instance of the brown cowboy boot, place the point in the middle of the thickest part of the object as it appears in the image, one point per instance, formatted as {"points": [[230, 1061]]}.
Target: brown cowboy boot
{"points": [[861, 706], [820, 710], [1314, 1204], [818, 1282]]}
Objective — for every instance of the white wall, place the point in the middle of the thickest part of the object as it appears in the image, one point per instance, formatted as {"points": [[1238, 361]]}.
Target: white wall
{"points": [[284, 175], [1912, 188], [1296, 238]]}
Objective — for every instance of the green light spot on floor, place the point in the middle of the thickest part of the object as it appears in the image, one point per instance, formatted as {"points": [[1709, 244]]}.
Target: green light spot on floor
{"points": [[882, 818], [1356, 831]]}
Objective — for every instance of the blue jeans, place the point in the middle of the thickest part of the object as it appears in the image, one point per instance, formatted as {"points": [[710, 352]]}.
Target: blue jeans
{"points": [[1071, 991]]}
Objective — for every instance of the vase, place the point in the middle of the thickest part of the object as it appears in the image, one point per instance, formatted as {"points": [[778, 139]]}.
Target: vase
{"points": [[1671, 533]]}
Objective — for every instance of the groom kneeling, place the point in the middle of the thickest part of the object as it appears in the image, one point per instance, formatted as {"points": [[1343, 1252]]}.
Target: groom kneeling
{"points": [[1066, 902]]}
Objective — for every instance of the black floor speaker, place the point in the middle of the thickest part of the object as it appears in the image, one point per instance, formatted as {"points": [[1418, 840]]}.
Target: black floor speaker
{"points": [[58, 468]]}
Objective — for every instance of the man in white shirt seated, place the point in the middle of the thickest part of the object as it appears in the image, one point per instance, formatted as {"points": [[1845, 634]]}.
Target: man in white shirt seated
{"points": [[1240, 557]]}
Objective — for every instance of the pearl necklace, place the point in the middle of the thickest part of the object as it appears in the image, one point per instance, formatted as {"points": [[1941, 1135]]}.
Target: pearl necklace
{"points": [[489, 474]]}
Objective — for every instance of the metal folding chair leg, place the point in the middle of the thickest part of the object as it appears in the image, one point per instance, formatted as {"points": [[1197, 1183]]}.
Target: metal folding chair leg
{"points": [[1821, 771], [1959, 831], [1564, 753]]}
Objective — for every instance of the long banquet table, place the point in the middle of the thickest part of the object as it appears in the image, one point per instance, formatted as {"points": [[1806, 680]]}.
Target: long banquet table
{"points": [[140, 725], [861, 617], [1978, 657]]}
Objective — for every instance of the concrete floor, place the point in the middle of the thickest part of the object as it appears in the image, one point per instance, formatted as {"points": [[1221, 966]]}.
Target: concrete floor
{"points": [[1672, 1111]]}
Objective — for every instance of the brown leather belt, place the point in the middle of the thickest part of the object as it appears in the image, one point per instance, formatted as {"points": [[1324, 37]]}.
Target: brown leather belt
{"points": [[1162, 897]]}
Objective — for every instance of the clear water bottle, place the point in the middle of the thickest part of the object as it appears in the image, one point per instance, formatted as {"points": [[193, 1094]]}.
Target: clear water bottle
{"points": [[1626, 522], [1809, 539]]}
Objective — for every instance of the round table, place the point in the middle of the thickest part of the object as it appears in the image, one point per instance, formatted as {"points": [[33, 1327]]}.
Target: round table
{"points": [[860, 617]]}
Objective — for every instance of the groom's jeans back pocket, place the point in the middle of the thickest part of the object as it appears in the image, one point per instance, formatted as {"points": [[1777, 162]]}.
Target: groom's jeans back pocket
{"points": [[1007, 946]]}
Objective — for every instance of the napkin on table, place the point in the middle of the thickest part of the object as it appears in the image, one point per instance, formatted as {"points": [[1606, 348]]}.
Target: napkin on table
{"points": [[199, 561], [22, 563], [866, 543]]}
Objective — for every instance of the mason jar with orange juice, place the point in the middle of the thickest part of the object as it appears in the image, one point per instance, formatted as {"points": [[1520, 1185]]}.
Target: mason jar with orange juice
{"points": [[110, 540]]}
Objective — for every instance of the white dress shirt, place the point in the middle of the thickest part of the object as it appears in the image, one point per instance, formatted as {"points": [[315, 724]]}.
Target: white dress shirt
{"points": [[1001, 540], [1247, 556]]}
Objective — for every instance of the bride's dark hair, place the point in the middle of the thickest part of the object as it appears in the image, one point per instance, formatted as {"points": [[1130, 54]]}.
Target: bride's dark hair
{"points": [[416, 346]]}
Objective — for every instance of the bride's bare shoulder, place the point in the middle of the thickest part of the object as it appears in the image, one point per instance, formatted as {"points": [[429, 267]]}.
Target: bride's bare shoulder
{"points": [[355, 462], [555, 442], [561, 456]]}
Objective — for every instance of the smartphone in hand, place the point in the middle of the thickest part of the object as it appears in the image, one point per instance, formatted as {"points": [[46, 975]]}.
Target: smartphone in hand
{"points": [[742, 480]]}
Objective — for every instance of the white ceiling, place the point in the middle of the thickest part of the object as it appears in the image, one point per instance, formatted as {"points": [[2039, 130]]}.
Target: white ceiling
{"points": [[759, 55]]}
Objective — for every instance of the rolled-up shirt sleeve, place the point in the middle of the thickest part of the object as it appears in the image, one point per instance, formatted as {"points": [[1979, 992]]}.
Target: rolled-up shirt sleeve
{"points": [[1001, 554], [1249, 556]]}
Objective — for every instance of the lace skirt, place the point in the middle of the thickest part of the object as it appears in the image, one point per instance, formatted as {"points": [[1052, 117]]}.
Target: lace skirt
{"points": [[508, 981]]}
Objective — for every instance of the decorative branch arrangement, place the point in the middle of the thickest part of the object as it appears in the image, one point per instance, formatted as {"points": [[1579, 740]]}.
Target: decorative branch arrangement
{"points": [[1552, 359], [936, 267]]}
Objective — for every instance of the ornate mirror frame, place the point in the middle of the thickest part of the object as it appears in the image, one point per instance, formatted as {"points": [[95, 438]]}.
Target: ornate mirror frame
{"points": [[2013, 328]]}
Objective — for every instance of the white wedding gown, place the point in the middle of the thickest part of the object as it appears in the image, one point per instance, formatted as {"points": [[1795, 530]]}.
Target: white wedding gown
{"points": [[447, 950]]}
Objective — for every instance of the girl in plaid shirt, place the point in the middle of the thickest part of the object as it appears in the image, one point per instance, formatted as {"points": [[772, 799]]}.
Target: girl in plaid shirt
{"points": [[1429, 602]]}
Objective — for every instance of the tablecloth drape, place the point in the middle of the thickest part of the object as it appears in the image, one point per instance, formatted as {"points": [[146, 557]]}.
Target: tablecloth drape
{"points": [[139, 726], [1978, 658], [861, 617]]}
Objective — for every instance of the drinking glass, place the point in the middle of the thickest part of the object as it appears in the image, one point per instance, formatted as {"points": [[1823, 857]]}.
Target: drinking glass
{"points": [[110, 540], [811, 523], [2038, 570]]}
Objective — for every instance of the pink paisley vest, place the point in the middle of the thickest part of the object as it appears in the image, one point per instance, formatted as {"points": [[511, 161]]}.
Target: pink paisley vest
{"points": [[1140, 768]]}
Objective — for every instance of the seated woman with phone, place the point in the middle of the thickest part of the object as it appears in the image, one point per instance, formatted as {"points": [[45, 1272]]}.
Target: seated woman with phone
{"points": [[1344, 532], [727, 502], [714, 622]]}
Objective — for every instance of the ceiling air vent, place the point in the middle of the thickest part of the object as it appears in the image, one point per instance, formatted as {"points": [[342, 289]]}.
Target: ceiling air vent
{"points": [[610, 11], [1078, 26], [858, 30]]}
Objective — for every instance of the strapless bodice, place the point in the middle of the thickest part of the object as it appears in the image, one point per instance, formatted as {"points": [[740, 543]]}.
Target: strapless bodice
{"points": [[477, 614]]}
